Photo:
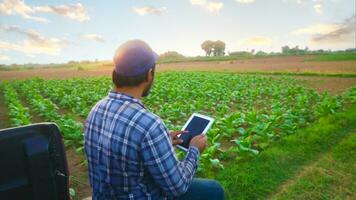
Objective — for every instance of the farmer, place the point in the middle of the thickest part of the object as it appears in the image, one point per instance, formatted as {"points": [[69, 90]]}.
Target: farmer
{"points": [[129, 149]]}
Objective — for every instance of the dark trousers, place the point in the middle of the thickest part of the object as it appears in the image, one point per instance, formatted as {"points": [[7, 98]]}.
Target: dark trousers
{"points": [[203, 189]]}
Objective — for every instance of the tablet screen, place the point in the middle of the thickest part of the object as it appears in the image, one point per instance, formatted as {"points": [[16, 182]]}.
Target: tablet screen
{"points": [[195, 127]]}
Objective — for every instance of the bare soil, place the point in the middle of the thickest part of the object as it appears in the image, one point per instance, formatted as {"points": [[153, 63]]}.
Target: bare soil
{"points": [[78, 172], [333, 85], [295, 64], [273, 64]]}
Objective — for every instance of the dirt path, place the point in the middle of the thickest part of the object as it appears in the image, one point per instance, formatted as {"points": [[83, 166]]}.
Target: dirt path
{"points": [[79, 174], [309, 181], [302, 172]]}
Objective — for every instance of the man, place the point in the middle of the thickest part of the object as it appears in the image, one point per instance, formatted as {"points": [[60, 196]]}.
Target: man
{"points": [[129, 150]]}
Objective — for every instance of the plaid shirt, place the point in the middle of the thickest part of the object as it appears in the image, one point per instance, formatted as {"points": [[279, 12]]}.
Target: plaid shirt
{"points": [[130, 153]]}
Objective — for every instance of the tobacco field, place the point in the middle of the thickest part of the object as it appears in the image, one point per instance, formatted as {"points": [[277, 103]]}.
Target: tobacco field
{"points": [[250, 111]]}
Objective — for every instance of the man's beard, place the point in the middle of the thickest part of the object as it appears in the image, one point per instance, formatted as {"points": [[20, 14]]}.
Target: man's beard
{"points": [[146, 91]]}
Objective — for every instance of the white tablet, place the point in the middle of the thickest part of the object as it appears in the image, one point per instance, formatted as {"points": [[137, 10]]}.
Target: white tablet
{"points": [[197, 124]]}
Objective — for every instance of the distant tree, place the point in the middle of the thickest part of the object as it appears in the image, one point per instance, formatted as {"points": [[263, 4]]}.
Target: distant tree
{"points": [[85, 62], [208, 47], [219, 48], [286, 49], [261, 53], [170, 56], [71, 62], [240, 53], [350, 50], [274, 53]]}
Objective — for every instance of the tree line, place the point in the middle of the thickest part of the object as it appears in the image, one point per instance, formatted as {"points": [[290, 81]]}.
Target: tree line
{"points": [[217, 48]]}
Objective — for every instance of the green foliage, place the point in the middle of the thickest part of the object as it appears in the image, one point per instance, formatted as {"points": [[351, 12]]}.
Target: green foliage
{"points": [[217, 48], [71, 129], [330, 177], [251, 111], [264, 174], [335, 57], [19, 115], [350, 95], [171, 56]]}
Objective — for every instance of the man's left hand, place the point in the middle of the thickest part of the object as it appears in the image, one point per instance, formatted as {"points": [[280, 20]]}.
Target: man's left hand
{"points": [[174, 137]]}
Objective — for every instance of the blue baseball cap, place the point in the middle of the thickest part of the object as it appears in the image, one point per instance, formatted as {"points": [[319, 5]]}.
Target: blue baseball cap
{"points": [[134, 57]]}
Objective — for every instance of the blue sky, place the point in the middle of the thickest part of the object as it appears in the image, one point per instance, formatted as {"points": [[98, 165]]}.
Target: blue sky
{"points": [[52, 32]]}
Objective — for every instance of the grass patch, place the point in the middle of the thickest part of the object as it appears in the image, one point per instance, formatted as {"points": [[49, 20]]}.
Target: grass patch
{"points": [[330, 178], [335, 57], [314, 74], [205, 59], [301, 74], [76, 66], [217, 58], [261, 176]]}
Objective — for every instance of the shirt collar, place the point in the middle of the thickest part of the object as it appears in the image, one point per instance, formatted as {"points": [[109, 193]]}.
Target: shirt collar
{"points": [[124, 97]]}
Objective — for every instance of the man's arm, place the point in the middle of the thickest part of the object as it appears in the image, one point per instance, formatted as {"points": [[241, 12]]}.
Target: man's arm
{"points": [[172, 176]]}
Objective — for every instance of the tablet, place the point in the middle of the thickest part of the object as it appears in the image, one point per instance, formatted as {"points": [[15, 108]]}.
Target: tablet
{"points": [[197, 124]]}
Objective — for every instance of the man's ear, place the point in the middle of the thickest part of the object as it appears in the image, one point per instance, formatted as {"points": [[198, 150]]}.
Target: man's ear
{"points": [[150, 75]]}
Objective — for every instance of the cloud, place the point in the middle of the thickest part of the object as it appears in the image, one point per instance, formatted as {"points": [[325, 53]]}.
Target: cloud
{"points": [[330, 33], [4, 58], [209, 6], [258, 41], [19, 7], [344, 33], [317, 8], [94, 37], [34, 43], [72, 11], [145, 10], [245, 1], [317, 29]]}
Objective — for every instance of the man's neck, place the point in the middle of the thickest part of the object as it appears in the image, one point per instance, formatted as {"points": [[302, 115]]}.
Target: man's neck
{"points": [[137, 93]]}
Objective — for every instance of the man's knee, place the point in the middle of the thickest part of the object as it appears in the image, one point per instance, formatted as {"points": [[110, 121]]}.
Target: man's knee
{"points": [[214, 188], [203, 189], [219, 190]]}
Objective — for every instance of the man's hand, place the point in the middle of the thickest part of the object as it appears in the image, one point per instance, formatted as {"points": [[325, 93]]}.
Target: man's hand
{"points": [[199, 141], [174, 137]]}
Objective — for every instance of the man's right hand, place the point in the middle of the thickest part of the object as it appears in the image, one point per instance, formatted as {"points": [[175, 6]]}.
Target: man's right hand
{"points": [[199, 141]]}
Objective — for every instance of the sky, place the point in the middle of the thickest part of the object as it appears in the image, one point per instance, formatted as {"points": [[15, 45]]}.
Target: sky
{"points": [[59, 31]]}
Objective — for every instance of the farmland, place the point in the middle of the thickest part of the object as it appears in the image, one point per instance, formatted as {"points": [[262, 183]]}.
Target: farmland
{"points": [[252, 112], [267, 65]]}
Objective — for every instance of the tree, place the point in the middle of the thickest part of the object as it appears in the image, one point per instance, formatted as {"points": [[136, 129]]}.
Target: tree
{"points": [[208, 47], [285, 49], [171, 56], [219, 48], [261, 53], [240, 53]]}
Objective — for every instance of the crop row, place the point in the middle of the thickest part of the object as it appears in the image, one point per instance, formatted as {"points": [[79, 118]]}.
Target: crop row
{"points": [[19, 114], [71, 129], [250, 111]]}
